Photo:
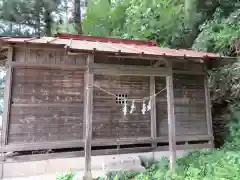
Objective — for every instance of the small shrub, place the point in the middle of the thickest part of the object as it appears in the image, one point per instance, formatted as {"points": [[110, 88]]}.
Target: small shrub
{"points": [[209, 164], [66, 176]]}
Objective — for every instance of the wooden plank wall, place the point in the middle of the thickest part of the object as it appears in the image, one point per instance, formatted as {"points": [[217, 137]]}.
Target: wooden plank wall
{"points": [[108, 119], [190, 110], [47, 104], [161, 107], [189, 99]]}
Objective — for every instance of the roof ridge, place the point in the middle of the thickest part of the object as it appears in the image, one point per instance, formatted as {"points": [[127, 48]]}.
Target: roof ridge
{"points": [[105, 39]]}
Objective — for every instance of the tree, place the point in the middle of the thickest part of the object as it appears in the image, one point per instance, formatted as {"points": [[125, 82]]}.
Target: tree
{"points": [[35, 14], [196, 13], [77, 16]]}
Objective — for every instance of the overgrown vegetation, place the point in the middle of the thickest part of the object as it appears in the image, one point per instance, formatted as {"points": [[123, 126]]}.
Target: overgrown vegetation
{"points": [[223, 163], [219, 164], [66, 176]]}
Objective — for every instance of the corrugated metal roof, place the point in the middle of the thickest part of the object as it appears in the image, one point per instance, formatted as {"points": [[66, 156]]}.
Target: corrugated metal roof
{"points": [[109, 45]]}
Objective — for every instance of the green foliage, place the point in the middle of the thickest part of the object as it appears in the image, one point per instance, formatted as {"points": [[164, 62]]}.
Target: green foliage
{"points": [[104, 19], [208, 164], [217, 34], [36, 15], [159, 20], [97, 18], [66, 176], [155, 19], [224, 83], [233, 138], [197, 165]]}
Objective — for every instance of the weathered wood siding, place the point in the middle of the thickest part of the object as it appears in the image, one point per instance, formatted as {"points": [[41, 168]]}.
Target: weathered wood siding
{"points": [[121, 61], [190, 111], [161, 107], [47, 56], [188, 66], [47, 104], [108, 119]]}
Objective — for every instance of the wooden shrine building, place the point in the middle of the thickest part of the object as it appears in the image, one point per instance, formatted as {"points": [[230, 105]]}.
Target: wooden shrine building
{"points": [[104, 95]]}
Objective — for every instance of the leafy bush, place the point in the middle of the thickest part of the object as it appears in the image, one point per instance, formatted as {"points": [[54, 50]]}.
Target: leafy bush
{"points": [[197, 165], [66, 176], [208, 164], [218, 33], [218, 164], [223, 163]]}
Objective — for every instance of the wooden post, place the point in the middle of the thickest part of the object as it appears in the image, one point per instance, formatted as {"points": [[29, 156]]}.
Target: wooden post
{"points": [[88, 105], [7, 98], [208, 109], [6, 106], [171, 121], [153, 109]]}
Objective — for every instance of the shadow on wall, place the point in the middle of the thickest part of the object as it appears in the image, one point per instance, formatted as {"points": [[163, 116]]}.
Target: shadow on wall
{"points": [[221, 116]]}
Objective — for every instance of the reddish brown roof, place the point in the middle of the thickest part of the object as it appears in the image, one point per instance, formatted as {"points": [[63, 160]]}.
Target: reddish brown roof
{"points": [[109, 45]]}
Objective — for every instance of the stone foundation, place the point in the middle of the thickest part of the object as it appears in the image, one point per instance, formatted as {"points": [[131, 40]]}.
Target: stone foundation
{"points": [[47, 169]]}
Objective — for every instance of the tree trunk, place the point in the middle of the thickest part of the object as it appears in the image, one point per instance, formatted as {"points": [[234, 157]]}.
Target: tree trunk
{"points": [[48, 22], [77, 16], [10, 26], [196, 12], [37, 18]]}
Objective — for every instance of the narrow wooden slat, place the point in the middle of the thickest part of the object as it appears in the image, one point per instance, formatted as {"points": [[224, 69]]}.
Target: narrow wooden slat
{"points": [[51, 66], [125, 141], [153, 108], [77, 154], [88, 116], [208, 109], [114, 69], [7, 98], [45, 145], [188, 72], [171, 121], [186, 138], [46, 105]]}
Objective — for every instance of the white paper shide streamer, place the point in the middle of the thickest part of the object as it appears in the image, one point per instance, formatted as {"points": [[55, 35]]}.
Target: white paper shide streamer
{"points": [[125, 107], [133, 107], [144, 108], [149, 105]]}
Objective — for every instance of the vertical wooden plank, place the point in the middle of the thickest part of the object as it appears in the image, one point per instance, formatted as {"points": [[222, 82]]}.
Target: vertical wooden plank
{"points": [[7, 98], [88, 105], [153, 108], [208, 109], [171, 120]]}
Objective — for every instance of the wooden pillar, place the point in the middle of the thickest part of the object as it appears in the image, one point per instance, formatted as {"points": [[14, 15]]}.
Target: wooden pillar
{"points": [[171, 120], [208, 110], [88, 105], [153, 109], [6, 106], [7, 98]]}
